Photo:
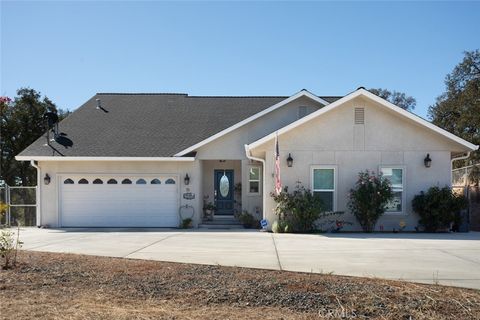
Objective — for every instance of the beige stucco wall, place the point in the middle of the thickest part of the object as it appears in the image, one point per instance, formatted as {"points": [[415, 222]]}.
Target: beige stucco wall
{"points": [[384, 139], [50, 193]]}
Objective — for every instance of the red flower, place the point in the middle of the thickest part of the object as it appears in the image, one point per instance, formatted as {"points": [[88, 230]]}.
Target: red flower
{"points": [[5, 100]]}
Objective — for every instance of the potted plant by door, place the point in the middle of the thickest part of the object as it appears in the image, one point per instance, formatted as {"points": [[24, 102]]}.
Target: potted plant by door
{"points": [[208, 210]]}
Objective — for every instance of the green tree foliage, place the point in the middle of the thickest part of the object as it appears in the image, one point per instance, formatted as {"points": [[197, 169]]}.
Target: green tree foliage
{"points": [[397, 98], [458, 108], [21, 121]]}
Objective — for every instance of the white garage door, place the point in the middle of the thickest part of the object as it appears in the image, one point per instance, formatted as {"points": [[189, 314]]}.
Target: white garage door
{"points": [[119, 201]]}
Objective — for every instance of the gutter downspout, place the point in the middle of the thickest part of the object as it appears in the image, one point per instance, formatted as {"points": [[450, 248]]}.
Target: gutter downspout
{"points": [[264, 199], [34, 164], [456, 159]]}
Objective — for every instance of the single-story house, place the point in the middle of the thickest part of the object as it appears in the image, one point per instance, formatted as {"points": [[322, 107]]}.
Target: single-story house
{"points": [[144, 160]]}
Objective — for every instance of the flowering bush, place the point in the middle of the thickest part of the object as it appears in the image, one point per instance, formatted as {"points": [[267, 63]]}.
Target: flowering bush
{"points": [[368, 199]]}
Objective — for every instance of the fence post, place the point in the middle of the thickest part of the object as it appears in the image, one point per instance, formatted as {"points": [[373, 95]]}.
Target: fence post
{"points": [[7, 201]]}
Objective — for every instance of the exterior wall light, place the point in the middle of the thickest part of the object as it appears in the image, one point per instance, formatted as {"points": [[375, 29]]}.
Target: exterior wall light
{"points": [[289, 161], [187, 180], [46, 179], [427, 161]]}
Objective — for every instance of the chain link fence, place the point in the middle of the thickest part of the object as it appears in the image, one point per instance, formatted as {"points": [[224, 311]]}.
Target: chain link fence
{"points": [[21, 205], [464, 176], [465, 182]]}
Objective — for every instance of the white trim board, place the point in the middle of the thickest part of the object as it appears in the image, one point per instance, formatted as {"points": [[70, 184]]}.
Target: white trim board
{"points": [[375, 98], [57, 158], [303, 93]]}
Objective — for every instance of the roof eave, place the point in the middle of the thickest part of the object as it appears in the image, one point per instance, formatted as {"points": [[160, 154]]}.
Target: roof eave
{"points": [[53, 158]]}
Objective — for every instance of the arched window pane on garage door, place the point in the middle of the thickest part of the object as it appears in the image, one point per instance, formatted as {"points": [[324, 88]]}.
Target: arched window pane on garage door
{"points": [[112, 181], [141, 181], [97, 181], [83, 181], [68, 181], [155, 181], [127, 181], [170, 181]]}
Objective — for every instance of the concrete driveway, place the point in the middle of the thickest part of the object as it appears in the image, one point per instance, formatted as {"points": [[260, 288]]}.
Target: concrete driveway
{"points": [[450, 259]]}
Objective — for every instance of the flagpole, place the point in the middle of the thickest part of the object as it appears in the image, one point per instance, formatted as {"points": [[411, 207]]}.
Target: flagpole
{"points": [[278, 181]]}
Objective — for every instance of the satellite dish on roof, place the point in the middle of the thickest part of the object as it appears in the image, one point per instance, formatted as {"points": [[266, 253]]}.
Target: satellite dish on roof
{"points": [[51, 121], [51, 118]]}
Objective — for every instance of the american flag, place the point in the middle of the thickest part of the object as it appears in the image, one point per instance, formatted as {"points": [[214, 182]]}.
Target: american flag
{"points": [[278, 181]]}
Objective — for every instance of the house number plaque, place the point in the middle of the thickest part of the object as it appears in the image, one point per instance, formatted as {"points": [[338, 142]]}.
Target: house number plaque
{"points": [[189, 196]]}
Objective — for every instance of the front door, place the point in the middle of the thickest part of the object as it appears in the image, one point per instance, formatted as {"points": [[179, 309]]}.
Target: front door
{"points": [[224, 200]]}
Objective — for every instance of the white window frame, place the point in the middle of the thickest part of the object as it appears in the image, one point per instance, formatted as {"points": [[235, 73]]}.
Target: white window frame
{"points": [[259, 180], [335, 181], [404, 188]]}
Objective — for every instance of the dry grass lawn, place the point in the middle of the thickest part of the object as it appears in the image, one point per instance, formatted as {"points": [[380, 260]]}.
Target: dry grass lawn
{"points": [[65, 286]]}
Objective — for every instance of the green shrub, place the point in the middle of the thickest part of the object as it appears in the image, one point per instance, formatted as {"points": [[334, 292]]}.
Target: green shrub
{"points": [[186, 223], [367, 201], [3, 212], [248, 220], [299, 209], [437, 208], [281, 226], [277, 227]]}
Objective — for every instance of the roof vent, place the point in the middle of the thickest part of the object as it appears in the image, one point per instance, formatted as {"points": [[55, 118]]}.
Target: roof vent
{"points": [[359, 115], [302, 111], [99, 106]]}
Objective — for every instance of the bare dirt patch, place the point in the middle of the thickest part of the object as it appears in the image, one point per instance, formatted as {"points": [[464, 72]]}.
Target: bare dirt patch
{"points": [[66, 286]]}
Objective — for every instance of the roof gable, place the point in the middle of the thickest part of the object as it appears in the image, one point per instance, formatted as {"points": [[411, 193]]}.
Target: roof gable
{"points": [[382, 102], [303, 93]]}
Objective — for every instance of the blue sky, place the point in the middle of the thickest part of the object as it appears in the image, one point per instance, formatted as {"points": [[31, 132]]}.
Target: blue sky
{"points": [[71, 50]]}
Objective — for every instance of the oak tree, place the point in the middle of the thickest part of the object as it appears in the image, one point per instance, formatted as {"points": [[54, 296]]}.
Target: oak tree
{"points": [[458, 109], [21, 123]]}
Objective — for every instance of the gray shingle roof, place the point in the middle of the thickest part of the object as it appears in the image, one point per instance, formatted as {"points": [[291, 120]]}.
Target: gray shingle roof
{"points": [[148, 125]]}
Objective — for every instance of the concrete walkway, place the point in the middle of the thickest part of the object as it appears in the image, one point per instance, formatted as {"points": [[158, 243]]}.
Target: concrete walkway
{"points": [[450, 259]]}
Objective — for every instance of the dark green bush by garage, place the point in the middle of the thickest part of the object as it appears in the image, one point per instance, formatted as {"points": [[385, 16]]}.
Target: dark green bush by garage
{"points": [[437, 208]]}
